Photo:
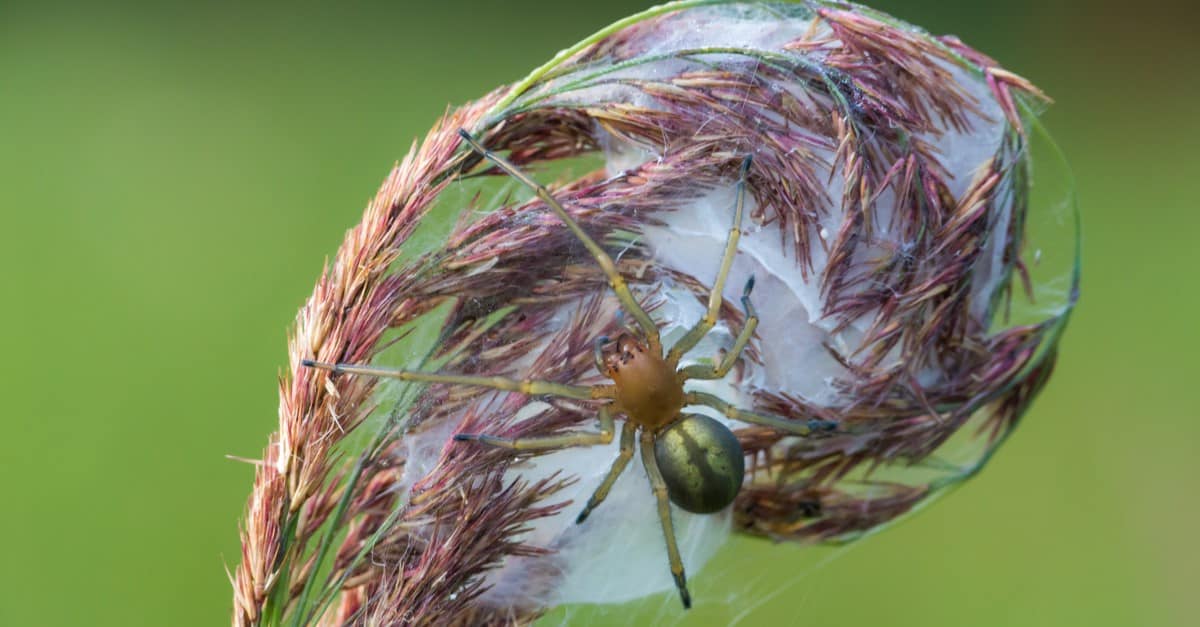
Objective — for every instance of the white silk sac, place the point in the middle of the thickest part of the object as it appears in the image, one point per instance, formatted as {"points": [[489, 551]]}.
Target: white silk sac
{"points": [[618, 553]]}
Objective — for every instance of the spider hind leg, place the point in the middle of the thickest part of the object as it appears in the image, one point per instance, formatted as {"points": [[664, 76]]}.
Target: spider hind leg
{"points": [[628, 433], [664, 515]]}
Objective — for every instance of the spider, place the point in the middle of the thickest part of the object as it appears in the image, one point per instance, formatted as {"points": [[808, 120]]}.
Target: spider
{"points": [[691, 459]]}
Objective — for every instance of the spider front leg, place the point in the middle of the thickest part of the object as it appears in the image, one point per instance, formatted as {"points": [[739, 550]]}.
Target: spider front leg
{"points": [[530, 387], [664, 515], [700, 371], [615, 280], [628, 433], [794, 427], [715, 298]]}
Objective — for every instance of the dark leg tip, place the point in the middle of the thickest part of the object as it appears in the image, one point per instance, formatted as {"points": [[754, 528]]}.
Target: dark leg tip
{"points": [[746, 296], [684, 595], [463, 437], [307, 363], [746, 163], [462, 132], [822, 425], [582, 516]]}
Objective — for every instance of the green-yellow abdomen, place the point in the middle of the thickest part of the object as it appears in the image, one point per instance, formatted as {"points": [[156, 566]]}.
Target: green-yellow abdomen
{"points": [[701, 462]]}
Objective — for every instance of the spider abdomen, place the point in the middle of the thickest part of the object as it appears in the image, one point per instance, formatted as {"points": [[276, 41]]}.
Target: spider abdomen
{"points": [[701, 462]]}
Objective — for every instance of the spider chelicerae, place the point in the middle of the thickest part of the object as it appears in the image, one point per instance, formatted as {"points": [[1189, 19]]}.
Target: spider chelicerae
{"points": [[691, 459]]}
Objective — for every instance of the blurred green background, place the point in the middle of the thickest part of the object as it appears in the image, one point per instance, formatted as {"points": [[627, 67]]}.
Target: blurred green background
{"points": [[172, 176]]}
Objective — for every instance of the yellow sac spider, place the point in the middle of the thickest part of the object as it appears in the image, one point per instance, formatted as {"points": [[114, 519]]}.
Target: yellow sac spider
{"points": [[691, 459]]}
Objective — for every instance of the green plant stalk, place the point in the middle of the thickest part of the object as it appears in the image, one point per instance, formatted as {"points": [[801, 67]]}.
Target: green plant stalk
{"points": [[567, 53]]}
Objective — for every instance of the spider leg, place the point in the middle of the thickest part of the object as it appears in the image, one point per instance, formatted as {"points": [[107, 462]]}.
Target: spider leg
{"points": [[715, 298], [794, 427], [604, 436], [628, 433], [700, 371], [664, 515], [615, 281], [531, 387]]}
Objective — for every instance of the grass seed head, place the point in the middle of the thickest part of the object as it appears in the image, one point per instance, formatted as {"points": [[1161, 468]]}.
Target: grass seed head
{"points": [[887, 227]]}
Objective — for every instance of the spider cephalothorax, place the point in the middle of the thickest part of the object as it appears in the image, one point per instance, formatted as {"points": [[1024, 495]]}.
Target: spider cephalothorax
{"points": [[648, 390], [691, 459]]}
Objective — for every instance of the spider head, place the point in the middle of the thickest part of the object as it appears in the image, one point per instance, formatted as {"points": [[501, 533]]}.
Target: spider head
{"points": [[622, 356]]}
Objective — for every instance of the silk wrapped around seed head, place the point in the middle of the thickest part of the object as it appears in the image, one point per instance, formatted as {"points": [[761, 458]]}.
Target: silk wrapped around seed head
{"points": [[912, 285]]}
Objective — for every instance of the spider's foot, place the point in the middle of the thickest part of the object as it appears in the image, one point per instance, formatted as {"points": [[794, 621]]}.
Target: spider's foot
{"points": [[320, 365], [489, 440], [684, 595], [822, 426], [746, 296], [583, 515]]}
